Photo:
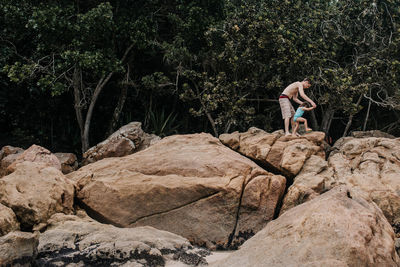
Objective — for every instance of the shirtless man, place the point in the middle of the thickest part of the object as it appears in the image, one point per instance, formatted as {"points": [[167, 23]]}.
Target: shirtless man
{"points": [[292, 92]]}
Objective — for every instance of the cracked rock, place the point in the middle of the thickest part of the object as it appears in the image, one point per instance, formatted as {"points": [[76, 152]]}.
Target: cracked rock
{"points": [[191, 185], [370, 166], [332, 229]]}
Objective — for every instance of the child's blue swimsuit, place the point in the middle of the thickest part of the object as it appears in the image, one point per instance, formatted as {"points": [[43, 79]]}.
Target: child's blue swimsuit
{"points": [[299, 113]]}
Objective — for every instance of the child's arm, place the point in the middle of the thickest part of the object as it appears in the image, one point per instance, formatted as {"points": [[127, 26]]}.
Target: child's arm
{"points": [[307, 109]]}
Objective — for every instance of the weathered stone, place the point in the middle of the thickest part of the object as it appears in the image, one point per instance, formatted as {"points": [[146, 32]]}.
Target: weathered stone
{"points": [[69, 162], [69, 238], [371, 133], [8, 154], [18, 249], [314, 179], [335, 229], [127, 140], [9, 150], [35, 192], [370, 166], [36, 154], [284, 154], [8, 220], [191, 185]]}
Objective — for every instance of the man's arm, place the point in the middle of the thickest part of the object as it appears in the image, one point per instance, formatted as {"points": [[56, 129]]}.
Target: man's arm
{"points": [[303, 95], [295, 99]]}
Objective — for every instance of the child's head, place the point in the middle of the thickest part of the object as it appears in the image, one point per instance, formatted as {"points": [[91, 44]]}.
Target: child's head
{"points": [[305, 104]]}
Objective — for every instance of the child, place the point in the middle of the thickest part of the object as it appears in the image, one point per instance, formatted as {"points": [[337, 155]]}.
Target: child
{"points": [[297, 117]]}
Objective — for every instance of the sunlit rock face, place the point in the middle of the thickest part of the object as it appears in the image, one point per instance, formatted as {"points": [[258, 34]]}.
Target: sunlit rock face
{"points": [[191, 185]]}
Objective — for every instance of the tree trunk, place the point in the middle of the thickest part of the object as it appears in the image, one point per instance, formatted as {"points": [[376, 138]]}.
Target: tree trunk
{"points": [[314, 121], [100, 85], [118, 109], [327, 120], [76, 81], [351, 118], [366, 116]]}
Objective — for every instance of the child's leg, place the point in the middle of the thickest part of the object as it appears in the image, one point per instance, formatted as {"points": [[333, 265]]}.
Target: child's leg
{"points": [[300, 119], [296, 126]]}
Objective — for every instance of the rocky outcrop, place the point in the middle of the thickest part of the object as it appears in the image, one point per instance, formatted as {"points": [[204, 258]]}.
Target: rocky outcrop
{"points": [[127, 140], [8, 220], [35, 192], [191, 185], [337, 228], [8, 154], [69, 162], [283, 154], [18, 249], [370, 166], [36, 154], [85, 242], [371, 133], [9, 150]]}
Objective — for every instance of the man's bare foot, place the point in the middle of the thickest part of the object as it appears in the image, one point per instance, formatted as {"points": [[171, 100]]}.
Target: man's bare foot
{"points": [[287, 134], [308, 129]]}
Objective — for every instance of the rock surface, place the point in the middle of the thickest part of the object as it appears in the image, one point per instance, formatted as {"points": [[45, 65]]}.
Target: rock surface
{"points": [[370, 166], [127, 140], [36, 154], [35, 192], [334, 229], [85, 242], [8, 220], [371, 133], [69, 162], [191, 185], [8, 154], [18, 249], [284, 154], [8, 150]]}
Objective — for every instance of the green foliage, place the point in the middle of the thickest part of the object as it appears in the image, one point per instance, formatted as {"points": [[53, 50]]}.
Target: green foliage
{"points": [[161, 124], [219, 64]]}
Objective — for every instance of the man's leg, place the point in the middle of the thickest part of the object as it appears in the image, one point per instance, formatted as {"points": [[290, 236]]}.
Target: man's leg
{"points": [[287, 125]]}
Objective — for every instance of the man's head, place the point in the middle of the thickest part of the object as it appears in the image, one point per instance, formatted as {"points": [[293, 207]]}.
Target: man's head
{"points": [[306, 83]]}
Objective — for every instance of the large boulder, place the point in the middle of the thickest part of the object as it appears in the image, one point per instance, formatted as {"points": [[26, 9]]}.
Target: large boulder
{"points": [[36, 154], [8, 220], [371, 133], [370, 166], [78, 239], [18, 249], [335, 229], [283, 154], [69, 162], [191, 185], [8, 154], [9, 150], [35, 192], [127, 140]]}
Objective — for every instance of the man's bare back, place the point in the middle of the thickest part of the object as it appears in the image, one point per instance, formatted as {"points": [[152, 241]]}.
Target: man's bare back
{"points": [[294, 89]]}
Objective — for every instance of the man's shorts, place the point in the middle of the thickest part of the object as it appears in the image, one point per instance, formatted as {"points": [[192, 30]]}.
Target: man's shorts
{"points": [[286, 108]]}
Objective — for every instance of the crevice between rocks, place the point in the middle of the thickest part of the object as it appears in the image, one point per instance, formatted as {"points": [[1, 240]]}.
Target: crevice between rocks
{"points": [[271, 169], [232, 235], [94, 214], [176, 208]]}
